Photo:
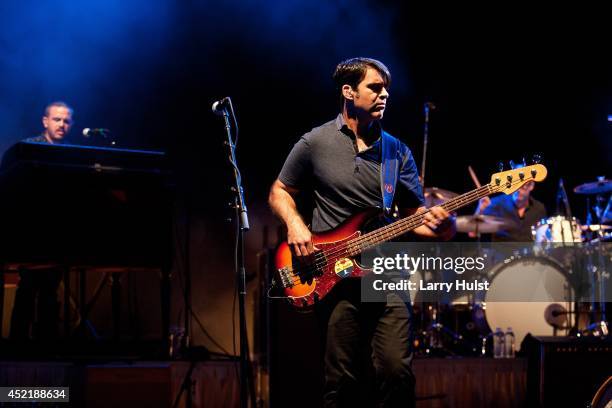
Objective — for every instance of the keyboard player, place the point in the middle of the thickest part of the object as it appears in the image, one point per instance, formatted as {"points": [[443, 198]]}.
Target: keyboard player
{"points": [[36, 309]]}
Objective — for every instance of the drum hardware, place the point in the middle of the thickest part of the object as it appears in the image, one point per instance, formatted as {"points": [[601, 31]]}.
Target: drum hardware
{"points": [[563, 232], [501, 308], [436, 330], [549, 317], [435, 333], [468, 336], [562, 200], [450, 327], [441, 338], [602, 237], [433, 196], [483, 343], [596, 233], [556, 316]]}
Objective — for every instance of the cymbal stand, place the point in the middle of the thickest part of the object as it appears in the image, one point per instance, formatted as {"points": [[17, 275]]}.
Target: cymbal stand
{"points": [[598, 274], [436, 329]]}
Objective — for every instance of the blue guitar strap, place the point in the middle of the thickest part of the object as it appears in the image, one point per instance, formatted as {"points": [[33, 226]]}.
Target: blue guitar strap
{"points": [[389, 169]]}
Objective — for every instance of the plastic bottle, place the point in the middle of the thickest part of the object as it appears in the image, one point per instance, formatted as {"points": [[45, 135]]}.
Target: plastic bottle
{"points": [[510, 343], [498, 344]]}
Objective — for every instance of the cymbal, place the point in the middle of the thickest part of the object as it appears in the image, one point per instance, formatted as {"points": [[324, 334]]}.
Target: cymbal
{"points": [[485, 224], [597, 187], [436, 196]]}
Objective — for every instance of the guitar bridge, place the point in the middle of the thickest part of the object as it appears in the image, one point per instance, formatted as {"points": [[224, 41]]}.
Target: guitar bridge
{"points": [[285, 276]]}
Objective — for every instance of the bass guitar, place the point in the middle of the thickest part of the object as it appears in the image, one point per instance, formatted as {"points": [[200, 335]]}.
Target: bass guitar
{"points": [[305, 283]]}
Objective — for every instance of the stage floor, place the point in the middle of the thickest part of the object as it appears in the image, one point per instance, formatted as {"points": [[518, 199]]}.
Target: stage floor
{"points": [[456, 382], [441, 382], [124, 384], [470, 382]]}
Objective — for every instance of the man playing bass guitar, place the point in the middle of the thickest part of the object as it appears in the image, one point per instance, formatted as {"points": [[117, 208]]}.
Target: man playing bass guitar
{"points": [[341, 164]]}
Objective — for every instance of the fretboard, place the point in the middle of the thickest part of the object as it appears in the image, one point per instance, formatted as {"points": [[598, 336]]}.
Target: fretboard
{"points": [[400, 227]]}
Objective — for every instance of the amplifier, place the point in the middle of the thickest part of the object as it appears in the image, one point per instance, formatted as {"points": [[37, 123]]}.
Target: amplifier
{"points": [[566, 372]]}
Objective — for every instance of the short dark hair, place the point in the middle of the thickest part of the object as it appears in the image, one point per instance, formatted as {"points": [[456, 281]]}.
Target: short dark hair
{"points": [[58, 104], [353, 70]]}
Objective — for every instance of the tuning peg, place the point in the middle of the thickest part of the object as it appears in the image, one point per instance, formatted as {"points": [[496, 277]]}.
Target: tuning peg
{"points": [[536, 159], [511, 164], [500, 166]]}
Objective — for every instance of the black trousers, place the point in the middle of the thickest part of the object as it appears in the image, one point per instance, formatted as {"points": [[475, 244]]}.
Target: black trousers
{"points": [[368, 357]]}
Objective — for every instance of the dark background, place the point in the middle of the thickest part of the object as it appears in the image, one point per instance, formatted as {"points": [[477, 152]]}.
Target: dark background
{"points": [[507, 83]]}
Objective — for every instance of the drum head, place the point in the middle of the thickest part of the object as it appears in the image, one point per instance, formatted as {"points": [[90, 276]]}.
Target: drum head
{"points": [[537, 278], [603, 397], [557, 229]]}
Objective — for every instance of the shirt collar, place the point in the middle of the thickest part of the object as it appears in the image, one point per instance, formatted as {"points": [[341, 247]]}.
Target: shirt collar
{"points": [[343, 127]]}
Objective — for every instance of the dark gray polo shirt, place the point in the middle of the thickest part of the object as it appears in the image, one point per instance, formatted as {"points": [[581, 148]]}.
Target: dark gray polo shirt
{"points": [[343, 180]]}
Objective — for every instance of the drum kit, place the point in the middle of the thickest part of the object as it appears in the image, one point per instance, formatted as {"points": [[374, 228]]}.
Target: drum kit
{"points": [[465, 325]]}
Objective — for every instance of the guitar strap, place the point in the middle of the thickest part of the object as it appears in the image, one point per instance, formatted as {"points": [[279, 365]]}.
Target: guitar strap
{"points": [[389, 169]]}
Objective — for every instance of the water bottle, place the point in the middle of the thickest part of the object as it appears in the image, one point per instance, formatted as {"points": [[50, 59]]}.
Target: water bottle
{"points": [[498, 344], [510, 343]]}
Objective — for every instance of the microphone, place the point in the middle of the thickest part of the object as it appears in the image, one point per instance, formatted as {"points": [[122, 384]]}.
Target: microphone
{"points": [[87, 132], [219, 107]]}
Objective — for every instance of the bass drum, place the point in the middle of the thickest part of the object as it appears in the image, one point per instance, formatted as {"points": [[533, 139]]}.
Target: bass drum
{"points": [[603, 397], [528, 278]]}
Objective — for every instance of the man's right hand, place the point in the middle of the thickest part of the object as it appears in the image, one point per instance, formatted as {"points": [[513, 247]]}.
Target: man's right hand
{"points": [[299, 238], [283, 205], [483, 203]]}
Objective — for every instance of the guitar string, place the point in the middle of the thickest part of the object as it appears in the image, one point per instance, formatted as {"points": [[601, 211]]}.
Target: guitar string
{"points": [[391, 231], [397, 228], [388, 232], [381, 233]]}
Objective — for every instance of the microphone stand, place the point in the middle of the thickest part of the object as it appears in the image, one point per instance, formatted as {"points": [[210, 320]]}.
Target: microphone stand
{"points": [[246, 375], [562, 198], [428, 107]]}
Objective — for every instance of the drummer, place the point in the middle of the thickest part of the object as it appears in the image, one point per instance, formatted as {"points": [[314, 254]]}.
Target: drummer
{"points": [[520, 209]]}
